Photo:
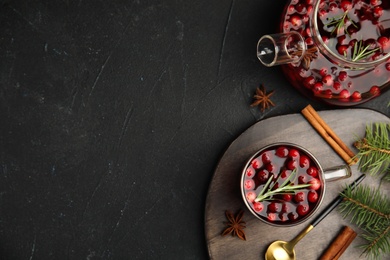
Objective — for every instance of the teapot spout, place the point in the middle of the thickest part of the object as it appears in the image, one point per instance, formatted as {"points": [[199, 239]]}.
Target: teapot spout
{"points": [[281, 48]]}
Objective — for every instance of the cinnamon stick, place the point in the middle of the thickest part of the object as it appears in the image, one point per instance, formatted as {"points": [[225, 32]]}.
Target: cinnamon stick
{"points": [[340, 244], [329, 135]]}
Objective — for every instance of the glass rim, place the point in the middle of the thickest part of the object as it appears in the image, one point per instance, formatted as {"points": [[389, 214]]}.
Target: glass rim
{"points": [[348, 62]]}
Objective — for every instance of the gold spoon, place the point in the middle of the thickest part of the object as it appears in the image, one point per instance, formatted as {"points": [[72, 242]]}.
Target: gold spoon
{"points": [[282, 250]]}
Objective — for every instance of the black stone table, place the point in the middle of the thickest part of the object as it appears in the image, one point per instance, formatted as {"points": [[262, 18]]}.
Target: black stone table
{"points": [[114, 115]]}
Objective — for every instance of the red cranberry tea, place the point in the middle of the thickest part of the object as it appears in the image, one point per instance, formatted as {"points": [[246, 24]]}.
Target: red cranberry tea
{"points": [[282, 185], [351, 31]]}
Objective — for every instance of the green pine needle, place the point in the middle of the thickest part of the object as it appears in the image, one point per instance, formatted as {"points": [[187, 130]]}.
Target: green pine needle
{"points": [[374, 150], [370, 210]]}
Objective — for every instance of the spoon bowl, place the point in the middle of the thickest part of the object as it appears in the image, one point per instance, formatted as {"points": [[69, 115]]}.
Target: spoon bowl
{"points": [[277, 251]]}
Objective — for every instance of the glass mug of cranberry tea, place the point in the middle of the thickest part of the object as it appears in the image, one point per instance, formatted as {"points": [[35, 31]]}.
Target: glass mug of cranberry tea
{"points": [[345, 56], [283, 184]]}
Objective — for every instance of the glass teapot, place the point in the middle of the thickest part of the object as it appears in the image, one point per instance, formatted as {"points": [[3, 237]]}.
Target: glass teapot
{"points": [[336, 51]]}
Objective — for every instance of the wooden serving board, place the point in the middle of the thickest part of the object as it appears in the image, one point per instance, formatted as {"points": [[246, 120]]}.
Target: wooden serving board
{"points": [[224, 191]]}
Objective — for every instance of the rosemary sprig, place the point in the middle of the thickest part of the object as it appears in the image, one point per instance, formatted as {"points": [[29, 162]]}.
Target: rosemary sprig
{"points": [[286, 187], [361, 52], [340, 22]]}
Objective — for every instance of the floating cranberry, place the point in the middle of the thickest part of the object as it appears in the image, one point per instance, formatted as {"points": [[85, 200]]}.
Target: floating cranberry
{"points": [[387, 66], [309, 82], [292, 216], [356, 95], [282, 151], [258, 206], [284, 174], [273, 207], [374, 90], [249, 184], [336, 85], [343, 75], [299, 197], [250, 196], [271, 167], [296, 20], [378, 11], [312, 171], [383, 41], [283, 217], [293, 153], [315, 184], [327, 80], [272, 216], [292, 164], [287, 197], [303, 209], [250, 172], [344, 93], [256, 163], [341, 39], [263, 176], [375, 2], [304, 161], [318, 86], [302, 179], [301, 8], [342, 49], [266, 157], [312, 196], [291, 9], [346, 5]]}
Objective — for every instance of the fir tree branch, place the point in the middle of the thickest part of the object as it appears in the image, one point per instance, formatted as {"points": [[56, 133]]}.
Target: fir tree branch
{"points": [[374, 149], [370, 210]]}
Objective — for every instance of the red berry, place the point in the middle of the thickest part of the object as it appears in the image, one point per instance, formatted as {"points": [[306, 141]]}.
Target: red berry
{"points": [[291, 9], [315, 184], [340, 39], [299, 197], [300, 8], [336, 85], [327, 80], [304, 161], [317, 87], [346, 5], [283, 217], [356, 95], [374, 90], [342, 49], [375, 2], [284, 173], [292, 216], [312, 171], [312, 196], [292, 164], [249, 184], [262, 176], [266, 157], [250, 196], [301, 179], [287, 197], [323, 72], [303, 209], [258, 206], [387, 66], [342, 75], [272, 216], [344, 93], [273, 207], [271, 167], [296, 20], [250, 172], [256, 163], [383, 41], [281, 152], [293, 153], [309, 41], [378, 11]]}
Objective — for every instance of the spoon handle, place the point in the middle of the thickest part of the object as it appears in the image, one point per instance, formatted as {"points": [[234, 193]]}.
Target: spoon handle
{"points": [[336, 202]]}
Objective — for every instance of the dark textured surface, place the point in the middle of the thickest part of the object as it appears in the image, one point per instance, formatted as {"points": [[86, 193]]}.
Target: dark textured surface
{"points": [[114, 115]]}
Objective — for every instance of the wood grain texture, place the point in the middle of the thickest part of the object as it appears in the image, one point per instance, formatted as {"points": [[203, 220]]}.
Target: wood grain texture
{"points": [[224, 191]]}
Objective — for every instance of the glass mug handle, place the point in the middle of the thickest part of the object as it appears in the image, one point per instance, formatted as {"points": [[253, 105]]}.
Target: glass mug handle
{"points": [[337, 173], [281, 48]]}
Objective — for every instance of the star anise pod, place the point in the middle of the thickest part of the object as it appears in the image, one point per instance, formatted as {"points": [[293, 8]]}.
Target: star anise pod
{"points": [[262, 99], [235, 225]]}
